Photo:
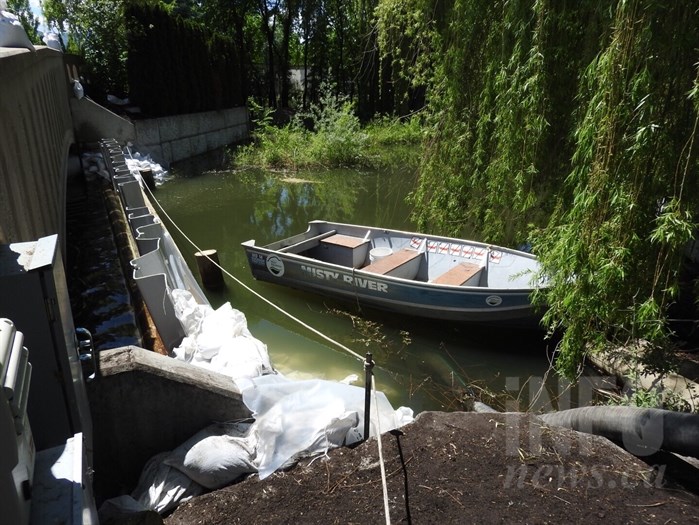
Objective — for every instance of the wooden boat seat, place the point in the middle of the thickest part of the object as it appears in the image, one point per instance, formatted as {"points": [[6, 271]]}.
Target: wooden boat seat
{"points": [[306, 244], [459, 274], [344, 240], [391, 262]]}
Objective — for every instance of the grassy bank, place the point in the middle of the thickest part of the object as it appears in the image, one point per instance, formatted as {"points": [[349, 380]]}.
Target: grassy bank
{"points": [[329, 136]]}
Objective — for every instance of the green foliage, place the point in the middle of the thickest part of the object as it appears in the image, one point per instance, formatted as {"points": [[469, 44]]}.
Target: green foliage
{"points": [[391, 131], [160, 44], [29, 22], [97, 32], [568, 124], [501, 96], [337, 138], [614, 247], [635, 395]]}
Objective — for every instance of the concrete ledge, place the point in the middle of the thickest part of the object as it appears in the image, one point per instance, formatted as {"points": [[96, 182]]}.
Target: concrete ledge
{"points": [[131, 358], [621, 361], [143, 403]]}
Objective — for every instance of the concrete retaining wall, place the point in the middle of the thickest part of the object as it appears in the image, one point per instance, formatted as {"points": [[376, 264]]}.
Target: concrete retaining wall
{"points": [[143, 403], [169, 139], [36, 132], [93, 122]]}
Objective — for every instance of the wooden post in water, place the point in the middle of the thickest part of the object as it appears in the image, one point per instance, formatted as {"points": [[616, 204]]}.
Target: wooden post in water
{"points": [[148, 179], [211, 275]]}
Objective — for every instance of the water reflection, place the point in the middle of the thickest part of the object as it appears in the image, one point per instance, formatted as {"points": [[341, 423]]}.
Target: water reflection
{"points": [[422, 364]]}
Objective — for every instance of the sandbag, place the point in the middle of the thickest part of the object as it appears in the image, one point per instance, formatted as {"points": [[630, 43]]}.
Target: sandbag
{"points": [[53, 41], [216, 461], [188, 311], [162, 487], [217, 328], [215, 456], [12, 34], [219, 340]]}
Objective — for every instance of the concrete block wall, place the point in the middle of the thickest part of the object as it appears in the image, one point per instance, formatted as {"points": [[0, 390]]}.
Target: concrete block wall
{"points": [[143, 403], [36, 132], [169, 139]]}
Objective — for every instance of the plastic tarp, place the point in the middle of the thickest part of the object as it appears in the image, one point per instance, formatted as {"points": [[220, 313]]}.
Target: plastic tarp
{"points": [[306, 418], [293, 419]]}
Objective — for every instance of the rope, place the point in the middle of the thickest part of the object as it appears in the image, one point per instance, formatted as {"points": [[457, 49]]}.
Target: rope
{"points": [[384, 484], [256, 294]]}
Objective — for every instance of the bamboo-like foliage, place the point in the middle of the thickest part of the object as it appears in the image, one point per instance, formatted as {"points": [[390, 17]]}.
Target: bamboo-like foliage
{"points": [[615, 244], [501, 102], [572, 125]]}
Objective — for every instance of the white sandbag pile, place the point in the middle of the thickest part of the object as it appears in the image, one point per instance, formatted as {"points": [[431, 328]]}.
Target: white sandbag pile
{"points": [[293, 419], [213, 458], [138, 162], [219, 340]]}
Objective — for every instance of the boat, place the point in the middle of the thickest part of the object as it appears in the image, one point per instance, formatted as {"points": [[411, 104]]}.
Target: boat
{"points": [[408, 273]]}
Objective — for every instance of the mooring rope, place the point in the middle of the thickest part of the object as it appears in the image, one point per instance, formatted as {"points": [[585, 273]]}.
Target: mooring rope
{"points": [[384, 482]]}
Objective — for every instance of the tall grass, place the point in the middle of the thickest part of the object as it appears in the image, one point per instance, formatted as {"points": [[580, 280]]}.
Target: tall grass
{"points": [[329, 135]]}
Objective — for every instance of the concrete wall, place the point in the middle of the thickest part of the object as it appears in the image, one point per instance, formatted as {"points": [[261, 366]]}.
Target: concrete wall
{"points": [[36, 132], [169, 139], [93, 122], [143, 403]]}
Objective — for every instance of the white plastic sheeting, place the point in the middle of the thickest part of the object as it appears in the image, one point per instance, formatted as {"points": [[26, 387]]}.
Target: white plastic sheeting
{"points": [[305, 418], [218, 340], [293, 419]]}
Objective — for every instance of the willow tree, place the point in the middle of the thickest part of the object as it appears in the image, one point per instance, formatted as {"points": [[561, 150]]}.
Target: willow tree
{"points": [[615, 243], [569, 124]]}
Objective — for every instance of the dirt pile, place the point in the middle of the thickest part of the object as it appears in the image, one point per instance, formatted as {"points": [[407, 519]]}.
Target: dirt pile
{"points": [[459, 468]]}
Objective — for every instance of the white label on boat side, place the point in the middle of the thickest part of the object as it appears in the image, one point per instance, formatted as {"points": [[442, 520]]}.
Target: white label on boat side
{"points": [[329, 275], [493, 300], [275, 265], [369, 284]]}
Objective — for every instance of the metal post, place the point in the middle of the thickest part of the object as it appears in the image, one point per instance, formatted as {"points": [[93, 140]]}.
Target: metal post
{"points": [[368, 367]]}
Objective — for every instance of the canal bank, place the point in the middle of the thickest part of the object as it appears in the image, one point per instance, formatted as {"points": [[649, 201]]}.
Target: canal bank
{"points": [[511, 455]]}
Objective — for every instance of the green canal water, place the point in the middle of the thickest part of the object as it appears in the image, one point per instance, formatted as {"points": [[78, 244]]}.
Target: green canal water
{"points": [[421, 364]]}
